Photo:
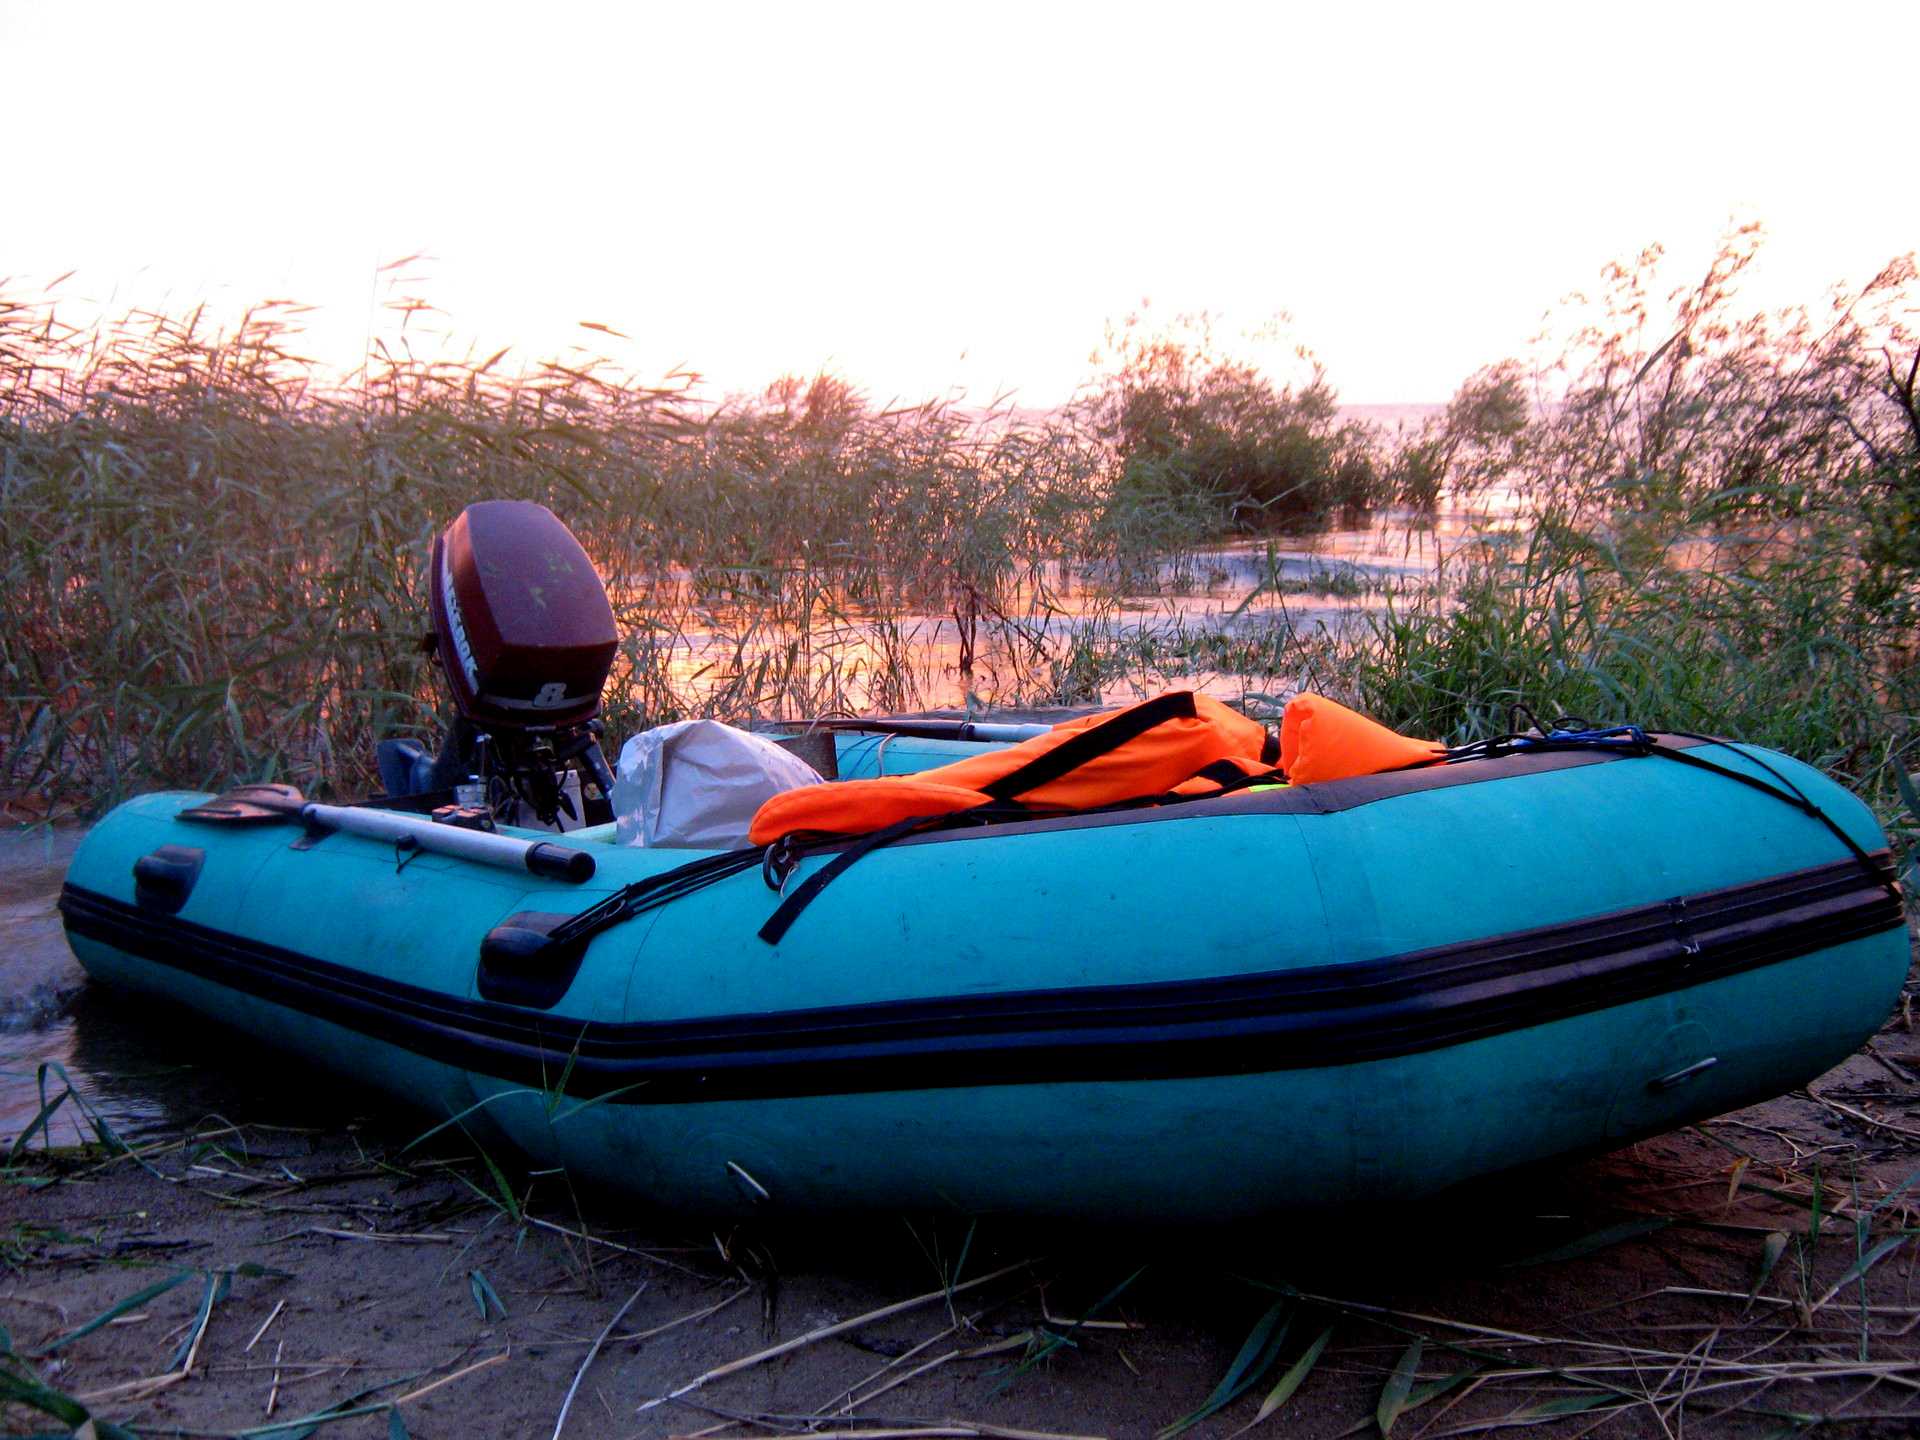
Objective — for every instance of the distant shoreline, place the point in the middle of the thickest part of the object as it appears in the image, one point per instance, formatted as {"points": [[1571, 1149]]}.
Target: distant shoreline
{"points": [[1388, 415]]}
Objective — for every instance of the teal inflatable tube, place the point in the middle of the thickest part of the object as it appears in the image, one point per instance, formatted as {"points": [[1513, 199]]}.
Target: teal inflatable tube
{"points": [[1362, 990]]}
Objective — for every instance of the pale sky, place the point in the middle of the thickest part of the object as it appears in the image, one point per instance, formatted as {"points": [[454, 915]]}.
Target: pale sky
{"points": [[923, 198]]}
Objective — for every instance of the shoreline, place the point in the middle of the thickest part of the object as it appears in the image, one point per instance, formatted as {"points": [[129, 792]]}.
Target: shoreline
{"points": [[366, 1274]]}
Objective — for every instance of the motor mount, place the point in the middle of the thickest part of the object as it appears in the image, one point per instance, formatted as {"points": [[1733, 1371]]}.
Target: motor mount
{"points": [[525, 636]]}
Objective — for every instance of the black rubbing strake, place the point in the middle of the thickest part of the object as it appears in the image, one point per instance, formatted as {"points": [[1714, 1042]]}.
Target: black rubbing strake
{"points": [[1276, 1020]]}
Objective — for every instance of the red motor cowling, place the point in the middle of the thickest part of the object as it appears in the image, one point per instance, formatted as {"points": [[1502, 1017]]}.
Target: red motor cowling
{"points": [[524, 630]]}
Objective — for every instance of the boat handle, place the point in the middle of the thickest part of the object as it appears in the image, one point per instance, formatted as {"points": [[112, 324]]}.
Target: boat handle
{"points": [[163, 879], [1683, 1074]]}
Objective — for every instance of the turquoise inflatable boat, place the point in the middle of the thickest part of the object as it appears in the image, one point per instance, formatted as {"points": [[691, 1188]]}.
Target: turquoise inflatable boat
{"points": [[1361, 990]]}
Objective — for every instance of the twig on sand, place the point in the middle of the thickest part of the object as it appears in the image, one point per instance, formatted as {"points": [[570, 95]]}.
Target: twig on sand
{"points": [[746, 1362], [153, 1384], [635, 1336], [901, 1379], [395, 1237], [851, 1399], [646, 1255], [275, 1315], [135, 1389], [678, 1320], [1083, 1324], [273, 1395], [433, 1385], [1863, 1117], [1904, 1311], [1898, 1072], [206, 1319], [844, 1404], [581, 1374], [348, 1410]]}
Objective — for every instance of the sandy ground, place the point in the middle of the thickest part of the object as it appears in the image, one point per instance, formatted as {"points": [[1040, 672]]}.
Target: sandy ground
{"points": [[305, 1264]]}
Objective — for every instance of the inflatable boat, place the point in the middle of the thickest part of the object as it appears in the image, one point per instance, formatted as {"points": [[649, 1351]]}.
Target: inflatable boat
{"points": [[1281, 996]]}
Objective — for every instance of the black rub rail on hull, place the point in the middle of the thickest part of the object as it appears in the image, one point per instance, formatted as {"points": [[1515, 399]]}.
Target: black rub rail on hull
{"points": [[1229, 1025]]}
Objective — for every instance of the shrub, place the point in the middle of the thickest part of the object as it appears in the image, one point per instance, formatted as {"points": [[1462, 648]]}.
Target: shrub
{"points": [[1212, 436]]}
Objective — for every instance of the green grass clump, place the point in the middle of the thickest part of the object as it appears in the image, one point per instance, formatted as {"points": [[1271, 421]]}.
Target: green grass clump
{"points": [[1761, 646]]}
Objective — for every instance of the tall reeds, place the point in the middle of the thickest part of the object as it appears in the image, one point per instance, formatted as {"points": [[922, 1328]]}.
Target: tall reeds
{"points": [[213, 562]]}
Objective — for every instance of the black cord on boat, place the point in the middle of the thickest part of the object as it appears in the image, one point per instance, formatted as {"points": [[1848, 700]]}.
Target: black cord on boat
{"points": [[774, 861], [655, 891], [1515, 712], [1574, 733], [777, 861], [860, 847], [790, 907], [1792, 795], [1619, 739]]}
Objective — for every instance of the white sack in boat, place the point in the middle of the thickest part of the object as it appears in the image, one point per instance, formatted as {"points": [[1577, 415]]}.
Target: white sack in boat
{"points": [[698, 783]]}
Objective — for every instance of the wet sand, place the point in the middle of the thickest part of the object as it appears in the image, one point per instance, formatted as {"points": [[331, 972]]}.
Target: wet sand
{"points": [[41, 977]]}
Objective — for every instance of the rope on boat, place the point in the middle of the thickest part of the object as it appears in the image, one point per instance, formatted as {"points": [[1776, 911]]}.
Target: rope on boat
{"points": [[1573, 733], [776, 862]]}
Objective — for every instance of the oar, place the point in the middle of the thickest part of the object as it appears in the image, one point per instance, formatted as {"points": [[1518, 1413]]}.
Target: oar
{"points": [[270, 804], [556, 862], [934, 729]]}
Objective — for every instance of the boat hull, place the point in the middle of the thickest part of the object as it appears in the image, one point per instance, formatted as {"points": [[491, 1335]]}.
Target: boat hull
{"points": [[1361, 991]]}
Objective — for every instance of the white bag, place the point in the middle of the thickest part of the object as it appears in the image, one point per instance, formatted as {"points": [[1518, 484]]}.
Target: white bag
{"points": [[697, 783]]}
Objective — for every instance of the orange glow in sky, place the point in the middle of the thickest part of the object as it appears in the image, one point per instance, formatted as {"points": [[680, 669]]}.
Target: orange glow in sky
{"points": [[929, 198]]}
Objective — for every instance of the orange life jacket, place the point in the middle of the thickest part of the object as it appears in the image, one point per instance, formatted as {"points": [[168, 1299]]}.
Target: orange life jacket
{"points": [[1179, 743], [1138, 752], [1322, 740]]}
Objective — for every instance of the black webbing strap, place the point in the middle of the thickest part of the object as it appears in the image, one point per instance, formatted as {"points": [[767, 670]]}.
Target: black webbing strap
{"points": [[655, 891], [1085, 746], [804, 894], [1093, 742], [1063, 759], [1229, 777], [1220, 772]]}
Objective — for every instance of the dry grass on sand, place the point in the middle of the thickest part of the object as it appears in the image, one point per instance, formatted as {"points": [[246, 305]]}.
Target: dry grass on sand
{"points": [[273, 1274]]}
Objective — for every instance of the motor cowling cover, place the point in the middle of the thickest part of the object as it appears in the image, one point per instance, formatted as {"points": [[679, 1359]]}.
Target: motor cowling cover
{"points": [[522, 623]]}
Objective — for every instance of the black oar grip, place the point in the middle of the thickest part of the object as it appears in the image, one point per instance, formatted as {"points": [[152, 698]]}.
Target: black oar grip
{"points": [[557, 862]]}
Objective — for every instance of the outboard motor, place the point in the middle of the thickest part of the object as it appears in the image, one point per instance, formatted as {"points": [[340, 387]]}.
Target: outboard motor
{"points": [[525, 636]]}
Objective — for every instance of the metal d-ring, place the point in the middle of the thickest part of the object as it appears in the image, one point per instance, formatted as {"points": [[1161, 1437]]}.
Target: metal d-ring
{"points": [[777, 863]]}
